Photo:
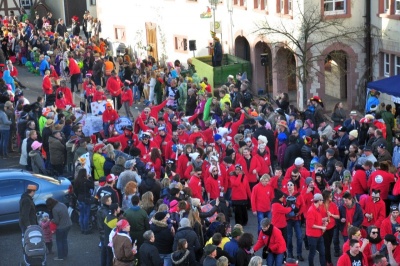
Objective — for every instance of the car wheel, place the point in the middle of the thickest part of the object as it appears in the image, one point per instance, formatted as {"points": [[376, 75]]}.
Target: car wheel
{"points": [[74, 215]]}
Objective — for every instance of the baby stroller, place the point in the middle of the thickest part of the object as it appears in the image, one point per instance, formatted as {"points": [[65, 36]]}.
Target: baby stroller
{"points": [[34, 246]]}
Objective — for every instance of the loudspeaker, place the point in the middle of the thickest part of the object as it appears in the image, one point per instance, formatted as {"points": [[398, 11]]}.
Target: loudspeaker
{"points": [[192, 45], [264, 59]]}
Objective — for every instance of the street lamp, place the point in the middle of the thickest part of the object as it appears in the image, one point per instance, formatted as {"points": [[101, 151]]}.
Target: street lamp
{"points": [[213, 4]]}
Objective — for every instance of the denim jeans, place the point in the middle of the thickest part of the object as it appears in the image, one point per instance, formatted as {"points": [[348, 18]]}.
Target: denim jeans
{"points": [[336, 241], [294, 225], [167, 259], [136, 93], [275, 259], [260, 216], [62, 242], [316, 243], [5, 136], [105, 128], [84, 215]]}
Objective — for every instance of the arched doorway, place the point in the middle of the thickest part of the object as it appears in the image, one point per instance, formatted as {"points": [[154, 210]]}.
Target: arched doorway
{"points": [[336, 74], [285, 67], [263, 67], [242, 48]]}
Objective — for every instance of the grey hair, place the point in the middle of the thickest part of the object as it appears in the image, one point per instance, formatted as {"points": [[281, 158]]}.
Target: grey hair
{"points": [[299, 122], [148, 235], [265, 222], [255, 261]]}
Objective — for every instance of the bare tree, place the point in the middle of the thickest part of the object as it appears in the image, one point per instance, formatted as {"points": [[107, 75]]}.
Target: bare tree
{"points": [[306, 37]]}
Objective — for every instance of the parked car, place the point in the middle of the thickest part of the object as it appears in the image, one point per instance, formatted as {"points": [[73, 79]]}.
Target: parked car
{"points": [[13, 183]]}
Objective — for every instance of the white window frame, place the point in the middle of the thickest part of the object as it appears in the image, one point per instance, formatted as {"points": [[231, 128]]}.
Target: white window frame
{"points": [[386, 65], [259, 4], [26, 3], [335, 12], [290, 6], [397, 65], [397, 7], [282, 6]]}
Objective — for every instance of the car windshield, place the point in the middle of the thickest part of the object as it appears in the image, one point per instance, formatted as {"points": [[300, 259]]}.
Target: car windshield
{"points": [[47, 178]]}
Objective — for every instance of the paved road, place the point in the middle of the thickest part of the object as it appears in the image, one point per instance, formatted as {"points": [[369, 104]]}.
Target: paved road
{"points": [[83, 249]]}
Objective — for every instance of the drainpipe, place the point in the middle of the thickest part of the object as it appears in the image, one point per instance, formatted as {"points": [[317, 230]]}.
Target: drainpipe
{"points": [[368, 40]]}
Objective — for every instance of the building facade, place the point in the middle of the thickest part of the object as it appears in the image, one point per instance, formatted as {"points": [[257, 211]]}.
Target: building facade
{"points": [[165, 29]]}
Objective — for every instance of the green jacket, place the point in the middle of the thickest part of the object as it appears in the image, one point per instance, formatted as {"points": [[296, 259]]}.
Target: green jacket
{"points": [[98, 164], [139, 222], [206, 113]]}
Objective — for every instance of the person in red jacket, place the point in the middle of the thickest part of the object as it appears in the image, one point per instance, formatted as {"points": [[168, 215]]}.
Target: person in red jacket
{"points": [[354, 256], [299, 164], [162, 139], [359, 180], [99, 95], [127, 99], [391, 224], [156, 161], [315, 227], [308, 193], [47, 87], [271, 238], [251, 166], [145, 146], [127, 140], [294, 220], [240, 194], [261, 197], [114, 85], [66, 92], [195, 184], [381, 180], [74, 72], [90, 89], [213, 183], [374, 245], [182, 135], [373, 209], [110, 116], [279, 212]]}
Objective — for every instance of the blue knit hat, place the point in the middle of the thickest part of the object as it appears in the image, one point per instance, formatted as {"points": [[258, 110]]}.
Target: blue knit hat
{"points": [[217, 137]]}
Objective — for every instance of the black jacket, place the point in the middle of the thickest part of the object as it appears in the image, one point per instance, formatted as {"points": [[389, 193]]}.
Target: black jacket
{"points": [[291, 153], [242, 258], [149, 255], [191, 104], [150, 184], [102, 213], [190, 236], [27, 211], [163, 235], [306, 155], [183, 258]]}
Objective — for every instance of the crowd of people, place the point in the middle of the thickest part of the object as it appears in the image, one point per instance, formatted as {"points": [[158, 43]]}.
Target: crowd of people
{"points": [[197, 157]]}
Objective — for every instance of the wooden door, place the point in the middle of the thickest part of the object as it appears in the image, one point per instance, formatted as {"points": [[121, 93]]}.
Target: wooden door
{"points": [[151, 38]]}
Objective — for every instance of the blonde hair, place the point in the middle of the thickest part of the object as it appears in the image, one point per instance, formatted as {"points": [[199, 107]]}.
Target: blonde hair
{"points": [[147, 200], [162, 208], [110, 151]]}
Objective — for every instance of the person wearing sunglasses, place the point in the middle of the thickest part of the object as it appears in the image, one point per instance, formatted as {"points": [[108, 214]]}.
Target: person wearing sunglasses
{"points": [[375, 244]]}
